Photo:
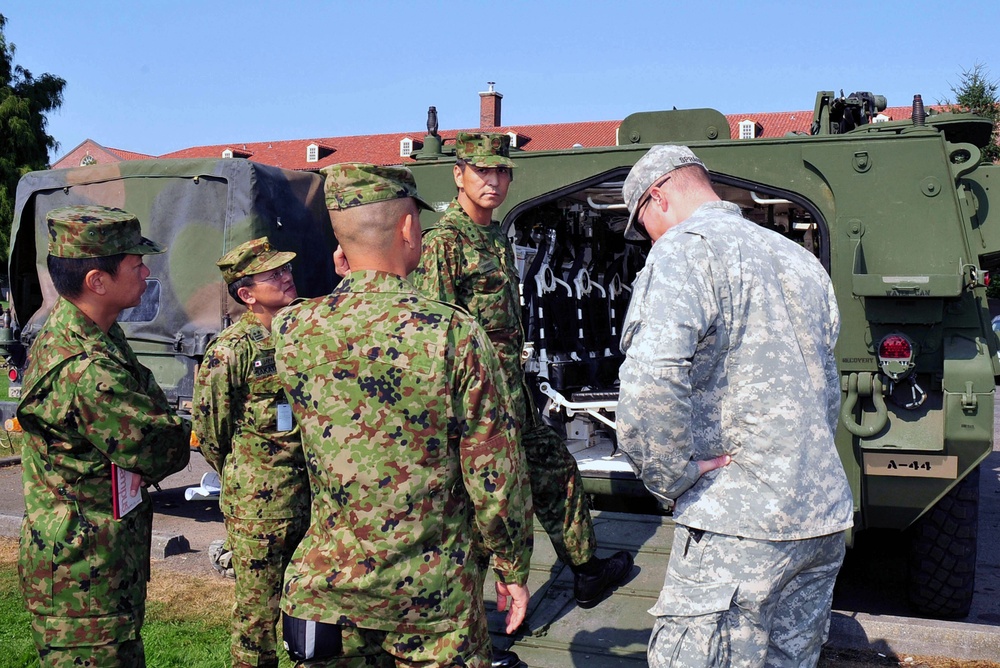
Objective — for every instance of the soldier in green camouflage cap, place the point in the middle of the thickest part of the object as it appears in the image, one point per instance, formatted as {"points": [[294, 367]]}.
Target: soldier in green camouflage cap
{"points": [[489, 150], [350, 184], [245, 430], [88, 403], [468, 260], [410, 448], [96, 231]]}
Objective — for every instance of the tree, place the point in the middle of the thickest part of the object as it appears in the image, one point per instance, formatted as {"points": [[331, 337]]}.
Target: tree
{"points": [[24, 144], [977, 92]]}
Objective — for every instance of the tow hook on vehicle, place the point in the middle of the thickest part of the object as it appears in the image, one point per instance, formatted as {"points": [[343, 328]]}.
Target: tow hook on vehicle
{"points": [[864, 384]]}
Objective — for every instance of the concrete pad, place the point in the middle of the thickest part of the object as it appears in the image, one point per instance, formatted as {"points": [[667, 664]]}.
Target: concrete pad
{"points": [[10, 525], [167, 545], [906, 635]]}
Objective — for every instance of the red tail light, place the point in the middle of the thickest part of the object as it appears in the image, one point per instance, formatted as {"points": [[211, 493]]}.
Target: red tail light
{"points": [[894, 347], [12, 375], [895, 356]]}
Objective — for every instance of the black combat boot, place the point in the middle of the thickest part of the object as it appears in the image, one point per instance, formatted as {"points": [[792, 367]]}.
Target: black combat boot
{"points": [[597, 577], [504, 658]]}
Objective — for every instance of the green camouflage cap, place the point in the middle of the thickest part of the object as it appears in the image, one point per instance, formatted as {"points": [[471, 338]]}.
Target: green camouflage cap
{"points": [[357, 183], [252, 257], [483, 149], [650, 168], [86, 231]]}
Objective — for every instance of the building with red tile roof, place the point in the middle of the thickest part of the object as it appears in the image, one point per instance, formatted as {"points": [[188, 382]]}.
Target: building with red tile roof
{"points": [[312, 154], [89, 152]]}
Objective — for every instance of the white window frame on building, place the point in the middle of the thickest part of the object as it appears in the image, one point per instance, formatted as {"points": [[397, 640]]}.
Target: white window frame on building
{"points": [[748, 129], [312, 153], [513, 139], [228, 153], [405, 147]]}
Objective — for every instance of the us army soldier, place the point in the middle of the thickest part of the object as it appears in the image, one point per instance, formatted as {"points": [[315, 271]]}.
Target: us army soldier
{"points": [[245, 430], [468, 260], [86, 403], [729, 404], [410, 450]]}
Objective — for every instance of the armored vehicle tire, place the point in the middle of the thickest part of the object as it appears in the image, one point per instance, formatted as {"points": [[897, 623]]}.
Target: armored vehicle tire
{"points": [[942, 568]]}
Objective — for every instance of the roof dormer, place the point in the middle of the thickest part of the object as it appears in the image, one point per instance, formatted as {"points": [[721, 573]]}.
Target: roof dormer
{"points": [[750, 129], [316, 151], [230, 152]]}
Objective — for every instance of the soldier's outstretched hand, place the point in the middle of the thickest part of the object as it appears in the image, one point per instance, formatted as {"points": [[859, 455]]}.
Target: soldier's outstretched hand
{"points": [[517, 596]]}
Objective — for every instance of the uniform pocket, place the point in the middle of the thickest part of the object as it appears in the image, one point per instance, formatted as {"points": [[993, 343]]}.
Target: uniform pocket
{"points": [[692, 626]]}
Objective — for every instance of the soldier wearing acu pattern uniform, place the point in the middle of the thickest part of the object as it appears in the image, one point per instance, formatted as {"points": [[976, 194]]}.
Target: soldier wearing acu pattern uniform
{"points": [[729, 403], [412, 455], [86, 403], [468, 260], [246, 432]]}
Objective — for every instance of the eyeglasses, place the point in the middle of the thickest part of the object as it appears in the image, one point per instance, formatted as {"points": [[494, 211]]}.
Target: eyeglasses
{"points": [[275, 275], [639, 225]]}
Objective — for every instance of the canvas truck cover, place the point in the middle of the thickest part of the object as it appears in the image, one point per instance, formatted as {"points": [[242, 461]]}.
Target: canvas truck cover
{"points": [[199, 210]]}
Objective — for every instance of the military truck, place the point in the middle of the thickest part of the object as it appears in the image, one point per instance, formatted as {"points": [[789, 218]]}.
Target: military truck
{"points": [[199, 209], [897, 212]]}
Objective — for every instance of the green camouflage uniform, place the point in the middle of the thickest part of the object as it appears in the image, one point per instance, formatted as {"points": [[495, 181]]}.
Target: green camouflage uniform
{"points": [[247, 436], [411, 453], [729, 343], [87, 402], [265, 494], [473, 266]]}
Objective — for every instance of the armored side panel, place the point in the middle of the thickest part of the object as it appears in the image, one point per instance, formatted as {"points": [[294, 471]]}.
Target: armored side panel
{"points": [[199, 209]]}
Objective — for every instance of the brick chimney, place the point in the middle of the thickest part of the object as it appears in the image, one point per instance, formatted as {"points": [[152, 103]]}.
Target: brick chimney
{"points": [[489, 108]]}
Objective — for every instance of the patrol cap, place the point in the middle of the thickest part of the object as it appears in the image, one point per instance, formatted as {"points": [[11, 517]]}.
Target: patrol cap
{"points": [[484, 149], [650, 168], [351, 184], [85, 231], [252, 257]]}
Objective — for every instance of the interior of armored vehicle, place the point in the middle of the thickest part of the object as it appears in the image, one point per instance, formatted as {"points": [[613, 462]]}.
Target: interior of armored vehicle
{"points": [[576, 274]]}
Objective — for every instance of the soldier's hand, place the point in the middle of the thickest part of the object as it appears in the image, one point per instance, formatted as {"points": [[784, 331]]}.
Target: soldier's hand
{"points": [[517, 596], [340, 263], [706, 465]]}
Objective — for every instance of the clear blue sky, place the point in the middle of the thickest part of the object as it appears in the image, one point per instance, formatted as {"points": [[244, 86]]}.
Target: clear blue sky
{"points": [[156, 76]]}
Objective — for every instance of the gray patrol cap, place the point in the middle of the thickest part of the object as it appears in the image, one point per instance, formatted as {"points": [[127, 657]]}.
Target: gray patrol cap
{"points": [[650, 168]]}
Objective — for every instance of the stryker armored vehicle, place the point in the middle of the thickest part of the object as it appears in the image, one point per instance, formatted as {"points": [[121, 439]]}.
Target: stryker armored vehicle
{"points": [[898, 213]]}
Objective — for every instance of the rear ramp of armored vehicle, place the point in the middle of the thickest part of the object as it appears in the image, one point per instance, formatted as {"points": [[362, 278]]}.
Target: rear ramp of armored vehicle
{"points": [[199, 210]]}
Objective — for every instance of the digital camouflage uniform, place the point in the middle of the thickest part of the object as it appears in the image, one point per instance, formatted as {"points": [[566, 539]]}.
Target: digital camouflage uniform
{"points": [[410, 451], [246, 432], [729, 343], [473, 266], [87, 402]]}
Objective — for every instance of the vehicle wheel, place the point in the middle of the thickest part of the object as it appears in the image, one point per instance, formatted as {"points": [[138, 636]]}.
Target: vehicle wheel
{"points": [[942, 568]]}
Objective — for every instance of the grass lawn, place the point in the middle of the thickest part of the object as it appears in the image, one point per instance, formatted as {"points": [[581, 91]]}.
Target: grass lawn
{"points": [[186, 625]]}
